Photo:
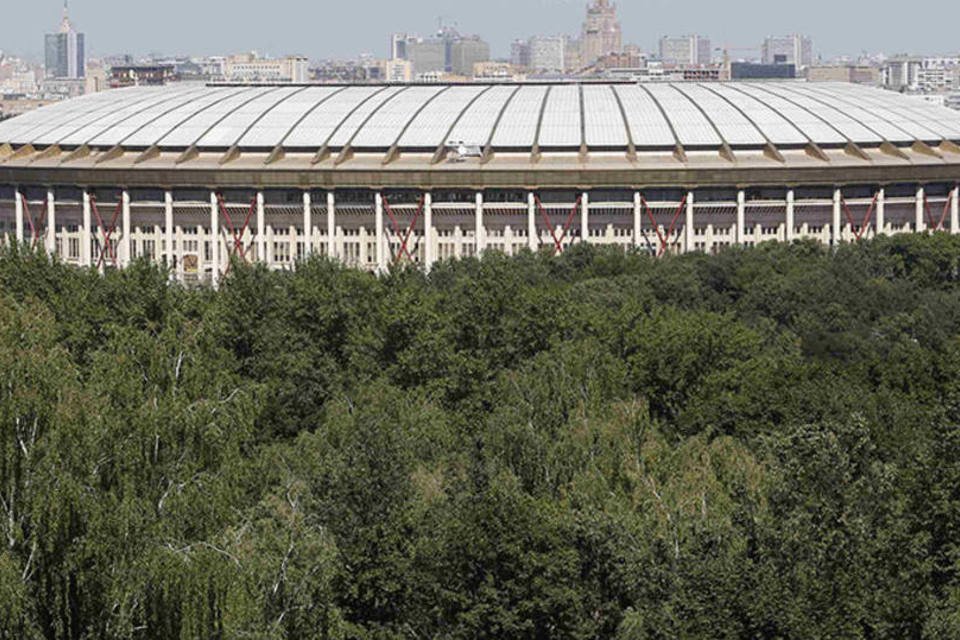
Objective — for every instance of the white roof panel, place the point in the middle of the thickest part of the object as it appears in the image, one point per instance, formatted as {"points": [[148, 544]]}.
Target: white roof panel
{"points": [[732, 125], [228, 131], [871, 118], [314, 129], [270, 130], [561, 125], [848, 126], [101, 127], [691, 125], [924, 124], [119, 133], [155, 131], [385, 125], [346, 130], [647, 125], [99, 105], [432, 124], [812, 125], [776, 127], [518, 127], [476, 125], [192, 129], [604, 126]]}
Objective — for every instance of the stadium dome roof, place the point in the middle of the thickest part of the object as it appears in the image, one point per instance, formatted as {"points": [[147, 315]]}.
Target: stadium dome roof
{"points": [[508, 117]]}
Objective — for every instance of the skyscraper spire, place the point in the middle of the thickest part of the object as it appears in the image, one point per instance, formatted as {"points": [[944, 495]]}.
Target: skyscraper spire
{"points": [[65, 26]]}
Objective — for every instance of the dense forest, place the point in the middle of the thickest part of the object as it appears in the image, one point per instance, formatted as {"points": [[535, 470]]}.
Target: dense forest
{"points": [[758, 444]]}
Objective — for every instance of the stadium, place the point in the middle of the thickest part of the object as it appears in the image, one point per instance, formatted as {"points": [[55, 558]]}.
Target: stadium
{"points": [[194, 175]]}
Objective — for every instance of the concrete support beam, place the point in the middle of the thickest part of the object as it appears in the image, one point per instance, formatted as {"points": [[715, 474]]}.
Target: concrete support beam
{"points": [[741, 217], [955, 210], [381, 240], [479, 231], [791, 216], [168, 228], [331, 226], [585, 217], [214, 241], [881, 212], [18, 212], [261, 229], [307, 225], [86, 234], [51, 239], [688, 229], [836, 231], [532, 240], [126, 239], [921, 202], [637, 218], [428, 253]]}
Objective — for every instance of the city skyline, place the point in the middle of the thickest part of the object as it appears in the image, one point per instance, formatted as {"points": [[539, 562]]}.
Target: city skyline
{"points": [[269, 29]]}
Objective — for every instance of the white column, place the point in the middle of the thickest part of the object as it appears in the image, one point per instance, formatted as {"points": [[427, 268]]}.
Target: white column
{"points": [[331, 226], [688, 226], [214, 241], [18, 208], [307, 225], [532, 240], [51, 240], [126, 239], [836, 232], [881, 212], [921, 201], [479, 230], [791, 217], [168, 227], [741, 217], [381, 254], [428, 253], [955, 210], [261, 230], [637, 218], [585, 218], [85, 233]]}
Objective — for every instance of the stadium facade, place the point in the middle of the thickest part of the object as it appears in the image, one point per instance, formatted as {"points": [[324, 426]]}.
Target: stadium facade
{"points": [[192, 175]]}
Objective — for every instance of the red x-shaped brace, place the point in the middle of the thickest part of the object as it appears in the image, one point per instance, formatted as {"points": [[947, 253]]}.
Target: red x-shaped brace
{"points": [[405, 235], [858, 233], [558, 240], [939, 225], [236, 232], [34, 229], [108, 230], [664, 238]]}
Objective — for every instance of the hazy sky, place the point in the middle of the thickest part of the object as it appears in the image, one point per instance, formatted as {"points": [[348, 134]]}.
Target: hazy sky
{"points": [[344, 28]]}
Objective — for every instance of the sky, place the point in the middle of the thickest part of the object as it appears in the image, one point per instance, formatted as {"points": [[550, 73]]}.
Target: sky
{"points": [[346, 28]]}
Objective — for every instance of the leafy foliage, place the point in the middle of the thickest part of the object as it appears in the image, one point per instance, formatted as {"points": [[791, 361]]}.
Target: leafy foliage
{"points": [[759, 444]]}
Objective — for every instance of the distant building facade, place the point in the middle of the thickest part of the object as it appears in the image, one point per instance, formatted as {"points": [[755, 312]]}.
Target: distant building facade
{"points": [[793, 49], [64, 52], [601, 32], [547, 53], [686, 50], [448, 52], [139, 75], [249, 67], [857, 74], [753, 71]]}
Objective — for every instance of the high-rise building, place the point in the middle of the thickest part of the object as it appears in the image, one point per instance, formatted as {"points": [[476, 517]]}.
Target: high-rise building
{"points": [[795, 49], [685, 50], [466, 52], [520, 54], [601, 32], [399, 43], [65, 57], [448, 52], [547, 53]]}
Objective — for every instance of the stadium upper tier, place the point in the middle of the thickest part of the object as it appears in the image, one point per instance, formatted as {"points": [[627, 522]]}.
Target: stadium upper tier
{"points": [[498, 117]]}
